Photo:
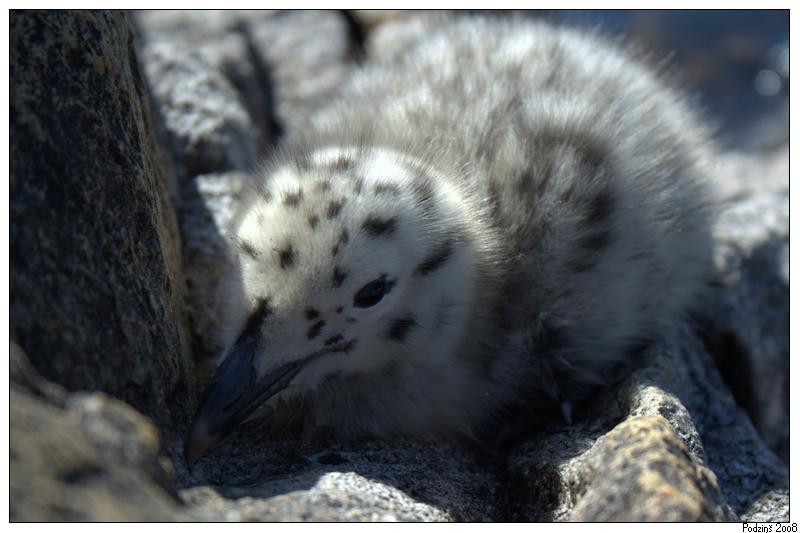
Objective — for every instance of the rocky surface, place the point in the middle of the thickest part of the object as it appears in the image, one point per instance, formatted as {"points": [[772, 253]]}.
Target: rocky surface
{"points": [[750, 332], [96, 279], [82, 456], [398, 481], [677, 394], [689, 435]]}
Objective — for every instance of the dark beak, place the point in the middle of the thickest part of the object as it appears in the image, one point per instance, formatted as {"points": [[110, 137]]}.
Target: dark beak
{"points": [[234, 393]]}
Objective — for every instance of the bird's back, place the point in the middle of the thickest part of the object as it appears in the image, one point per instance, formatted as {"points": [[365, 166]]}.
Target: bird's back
{"points": [[588, 165]]}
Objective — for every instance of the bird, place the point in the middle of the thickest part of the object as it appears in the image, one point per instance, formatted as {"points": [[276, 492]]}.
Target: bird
{"points": [[492, 219]]}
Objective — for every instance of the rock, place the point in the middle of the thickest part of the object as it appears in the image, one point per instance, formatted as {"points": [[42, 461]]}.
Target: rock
{"points": [[207, 124], [207, 208], [96, 459], [308, 55], [641, 471], [749, 334], [393, 35], [278, 480], [96, 286], [730, 470], [221, 41], [284, 64]]}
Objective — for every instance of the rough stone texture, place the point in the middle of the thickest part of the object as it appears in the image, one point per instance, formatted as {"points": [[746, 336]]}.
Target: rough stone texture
{"points": [[208, 204], [680, 384], [220, 40], [95, 281], [284, 64], [308, 55], [750, 333], [82, 457], [641, 471], [669, 442], [283, 481], [207, 124]]}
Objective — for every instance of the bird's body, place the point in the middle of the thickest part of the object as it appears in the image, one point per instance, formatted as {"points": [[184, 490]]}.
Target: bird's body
{"points": [[493, 218]]}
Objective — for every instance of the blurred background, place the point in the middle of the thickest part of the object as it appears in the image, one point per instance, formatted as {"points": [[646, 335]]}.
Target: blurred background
{"points": [[736, 61]]}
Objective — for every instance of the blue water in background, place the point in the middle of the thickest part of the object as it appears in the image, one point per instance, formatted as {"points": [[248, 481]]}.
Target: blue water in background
{"points": [[734, 62]]}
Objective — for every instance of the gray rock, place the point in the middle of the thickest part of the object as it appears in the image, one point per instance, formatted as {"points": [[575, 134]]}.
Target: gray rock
{"points": [[94, 459], [96, 286], [393, 33], [749, 335], [221, 40], [284, 64], [640, 472], [207, 124], [681, 387], [208, 205], [308, 55], [401, 481]]}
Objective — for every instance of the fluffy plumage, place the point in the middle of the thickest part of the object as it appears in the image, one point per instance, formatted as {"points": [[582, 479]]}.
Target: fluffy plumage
{"points": [[532, 199]]}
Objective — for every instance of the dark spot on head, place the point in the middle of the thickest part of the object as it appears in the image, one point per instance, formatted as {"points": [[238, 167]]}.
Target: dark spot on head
{"points": [[286, 257], [549, 338], [358, 184], [436, 259], [583, 264], [340, 309], [344, 237], [293, 199], [342, 163], [256, 318], [379, 227], [349, 346], [600, 207], [314, 330], [443, 314], [338, 276], [350, 320], [324, 186], [526, 182], [313, 220], [391, 370], [249, 249], [423, 193], [387, 189], [569, 194], [595, 240], [334, 340], [266, 195], [334, 208], [588, 246], [311, 313], [399, 328], [542, 184]]}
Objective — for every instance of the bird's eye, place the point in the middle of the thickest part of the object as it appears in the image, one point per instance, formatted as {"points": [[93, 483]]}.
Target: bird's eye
{"points": [[370, 294]]}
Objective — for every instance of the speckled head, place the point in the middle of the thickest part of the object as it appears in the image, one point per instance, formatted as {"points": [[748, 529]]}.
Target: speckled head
{"points": [[350, 262]]}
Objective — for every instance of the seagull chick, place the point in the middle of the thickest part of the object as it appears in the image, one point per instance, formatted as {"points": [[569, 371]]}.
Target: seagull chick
{"points": [[492, 220]]}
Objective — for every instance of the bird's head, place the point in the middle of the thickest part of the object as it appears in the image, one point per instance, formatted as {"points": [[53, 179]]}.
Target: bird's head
{"points": [[348, 261]]}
